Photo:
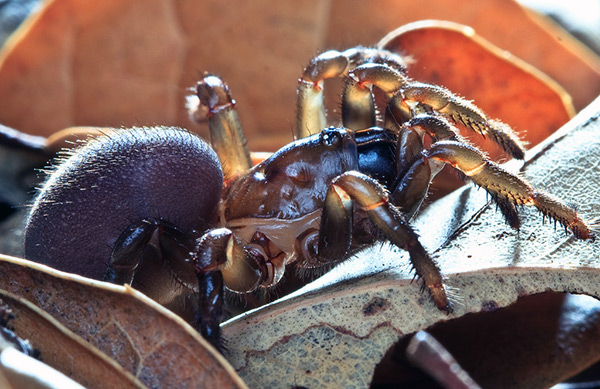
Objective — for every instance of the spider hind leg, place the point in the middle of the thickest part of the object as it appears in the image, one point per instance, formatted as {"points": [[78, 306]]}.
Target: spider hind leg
{"points": [[508, 189]]}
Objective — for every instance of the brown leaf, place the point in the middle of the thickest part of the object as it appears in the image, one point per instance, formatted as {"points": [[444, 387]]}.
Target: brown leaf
{"points": [[535, 342], [130, 63], [146, 339], [339, 327], [505, 24], [62, 349]]}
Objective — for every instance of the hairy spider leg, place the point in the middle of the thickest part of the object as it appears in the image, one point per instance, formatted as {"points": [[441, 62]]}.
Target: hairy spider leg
{"points": [[226, 135], [310, 109], [358, 107], [408, 98], [507, 189], [355, 188], [389, 80], [463, 111]]}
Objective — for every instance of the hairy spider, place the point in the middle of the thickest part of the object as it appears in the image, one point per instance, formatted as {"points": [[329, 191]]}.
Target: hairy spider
{"points": [[158, 207]]}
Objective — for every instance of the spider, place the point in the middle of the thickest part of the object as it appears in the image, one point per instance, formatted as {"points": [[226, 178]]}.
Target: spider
{"points": [[159, 208]]}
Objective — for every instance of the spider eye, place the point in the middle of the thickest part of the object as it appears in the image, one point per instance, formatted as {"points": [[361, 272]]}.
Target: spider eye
{"points": [[330, 136]]}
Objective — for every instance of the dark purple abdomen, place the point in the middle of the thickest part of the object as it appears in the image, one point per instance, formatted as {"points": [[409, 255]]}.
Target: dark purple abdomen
{"points": [[114, 181]]}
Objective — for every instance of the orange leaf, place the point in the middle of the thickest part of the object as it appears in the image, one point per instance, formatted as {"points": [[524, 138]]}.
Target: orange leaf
{"points": [[506, 88]]}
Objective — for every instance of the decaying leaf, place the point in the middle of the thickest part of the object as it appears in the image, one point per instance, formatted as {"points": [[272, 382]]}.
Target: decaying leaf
{"points": [[63, 350], [334, 331], [454, 56], [149, 341], [535, 342], [130, 63]]}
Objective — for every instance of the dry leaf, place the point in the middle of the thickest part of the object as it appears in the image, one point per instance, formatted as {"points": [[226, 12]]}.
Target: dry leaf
{"points": [[130, 63], [452, 55], [106, 66], [62, 349], [156, 346], [535, 342], [505, 24], [334, 331]]}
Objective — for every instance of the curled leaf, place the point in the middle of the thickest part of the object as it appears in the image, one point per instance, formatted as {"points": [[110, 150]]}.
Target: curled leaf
{"points": [[505, 87], [63, 350], [150, 342]]}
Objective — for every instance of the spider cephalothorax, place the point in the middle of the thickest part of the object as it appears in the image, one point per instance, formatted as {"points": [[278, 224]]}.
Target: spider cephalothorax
{"points": [[316, 201]]}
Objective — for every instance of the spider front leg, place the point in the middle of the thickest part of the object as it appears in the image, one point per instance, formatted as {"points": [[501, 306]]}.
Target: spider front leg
{"points": [[214, 101], [372, 198], [507, 189], [460, 110], [358, 107], [221, 259], [409, 98], [310, 109]]}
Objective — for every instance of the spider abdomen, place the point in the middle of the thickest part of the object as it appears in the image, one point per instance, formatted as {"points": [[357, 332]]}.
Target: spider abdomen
{"points": [[113, 181]]}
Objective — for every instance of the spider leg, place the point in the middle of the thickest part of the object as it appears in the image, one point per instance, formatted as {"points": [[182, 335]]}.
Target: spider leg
{"points": [[508, 189], [358, 108], [443, 101], [411, 134], [407, 96], [409, 148], [355, 112], [372, 198], [411, 190], [415, 171], [221, 260], [149, 255], [310, 109], [226, 134], [127, 253], [335, 234]]}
